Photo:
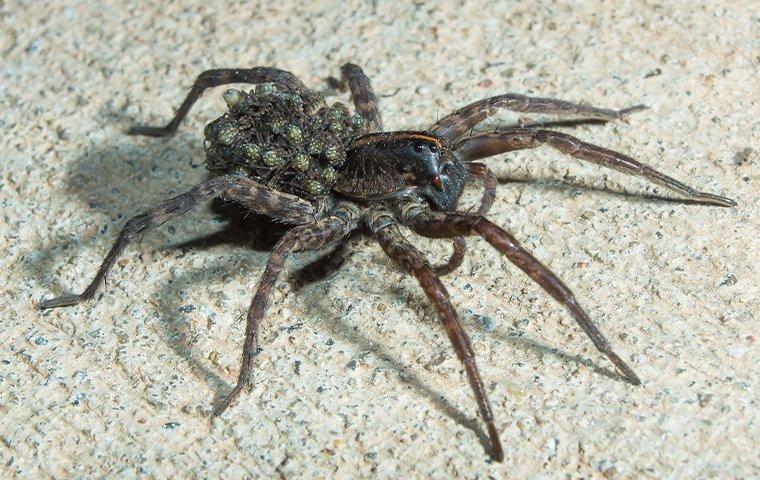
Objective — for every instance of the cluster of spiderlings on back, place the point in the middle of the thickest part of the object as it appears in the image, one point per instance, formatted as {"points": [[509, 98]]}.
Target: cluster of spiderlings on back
{"points": [[290, 140]]}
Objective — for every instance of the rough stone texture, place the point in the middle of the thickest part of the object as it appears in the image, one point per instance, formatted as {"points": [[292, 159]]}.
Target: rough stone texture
{"points": [[356, 377]]}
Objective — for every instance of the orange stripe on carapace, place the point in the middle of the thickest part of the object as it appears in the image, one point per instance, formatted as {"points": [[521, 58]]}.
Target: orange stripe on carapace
{"points": [[381, 137]]}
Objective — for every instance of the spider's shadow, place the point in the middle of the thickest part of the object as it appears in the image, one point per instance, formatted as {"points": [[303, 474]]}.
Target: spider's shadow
{"points": [[338, 327], [562, 185], [518, 340]]}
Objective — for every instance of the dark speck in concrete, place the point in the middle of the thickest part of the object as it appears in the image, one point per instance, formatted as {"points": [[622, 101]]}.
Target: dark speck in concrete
{"points": [[743, 156], [728, 280], [186, 308], [485, 322], [653, 73], [77, 398], [293, 328]]}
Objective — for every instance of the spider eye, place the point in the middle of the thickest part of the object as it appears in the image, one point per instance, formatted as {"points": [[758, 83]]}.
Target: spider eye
{"points": [[433, 149], [418, 147]]}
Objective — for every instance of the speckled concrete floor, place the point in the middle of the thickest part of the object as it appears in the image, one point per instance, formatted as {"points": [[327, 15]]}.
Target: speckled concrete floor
{"points": [[356, 377]]}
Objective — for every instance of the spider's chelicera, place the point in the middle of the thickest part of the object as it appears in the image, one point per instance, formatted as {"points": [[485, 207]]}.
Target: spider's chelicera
{"points": [[281, 151]]}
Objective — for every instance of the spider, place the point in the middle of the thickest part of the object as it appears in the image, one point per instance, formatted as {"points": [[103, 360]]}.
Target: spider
{"points": [[281, 151]]}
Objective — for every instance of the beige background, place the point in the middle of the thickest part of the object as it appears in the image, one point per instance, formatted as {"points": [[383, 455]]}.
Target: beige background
{"points": [[123, 387]]}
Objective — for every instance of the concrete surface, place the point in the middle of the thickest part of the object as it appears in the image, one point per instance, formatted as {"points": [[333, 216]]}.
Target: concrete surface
{"points": [[356, 378]]}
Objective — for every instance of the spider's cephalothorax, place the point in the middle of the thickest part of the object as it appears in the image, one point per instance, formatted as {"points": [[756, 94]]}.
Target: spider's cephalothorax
{"points": [[282, 152], [382, 166]]}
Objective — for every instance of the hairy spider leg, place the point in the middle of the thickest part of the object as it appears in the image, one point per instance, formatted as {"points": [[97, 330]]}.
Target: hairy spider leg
{"points": [[322, 234], [362, 94], [456, 124], [251, 194], [446, 225], [215, 78], [280, 206], [494, 143], [392, 241]]}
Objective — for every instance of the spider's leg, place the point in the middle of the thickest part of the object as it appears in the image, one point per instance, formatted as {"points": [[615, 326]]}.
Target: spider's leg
{"points": [[388, 234], [494, 143], [280, 206], [323, 233], [285, 207], [446, 225], [463, 120], [171, 208], [481, 171], [214, 78], [362, 94]]}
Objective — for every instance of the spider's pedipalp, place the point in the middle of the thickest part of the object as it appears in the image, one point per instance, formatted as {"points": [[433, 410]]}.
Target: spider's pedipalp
{"points": [[386, 230], [481, 171], [455, 260], [494, 143], [446, 225]]}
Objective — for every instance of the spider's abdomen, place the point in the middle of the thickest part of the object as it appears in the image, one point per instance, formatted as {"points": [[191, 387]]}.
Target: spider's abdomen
{"points": [[287, 139]]}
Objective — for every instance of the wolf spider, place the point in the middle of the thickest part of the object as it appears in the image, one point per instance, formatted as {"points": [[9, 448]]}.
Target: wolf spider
{"points": [[282, 152]]}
